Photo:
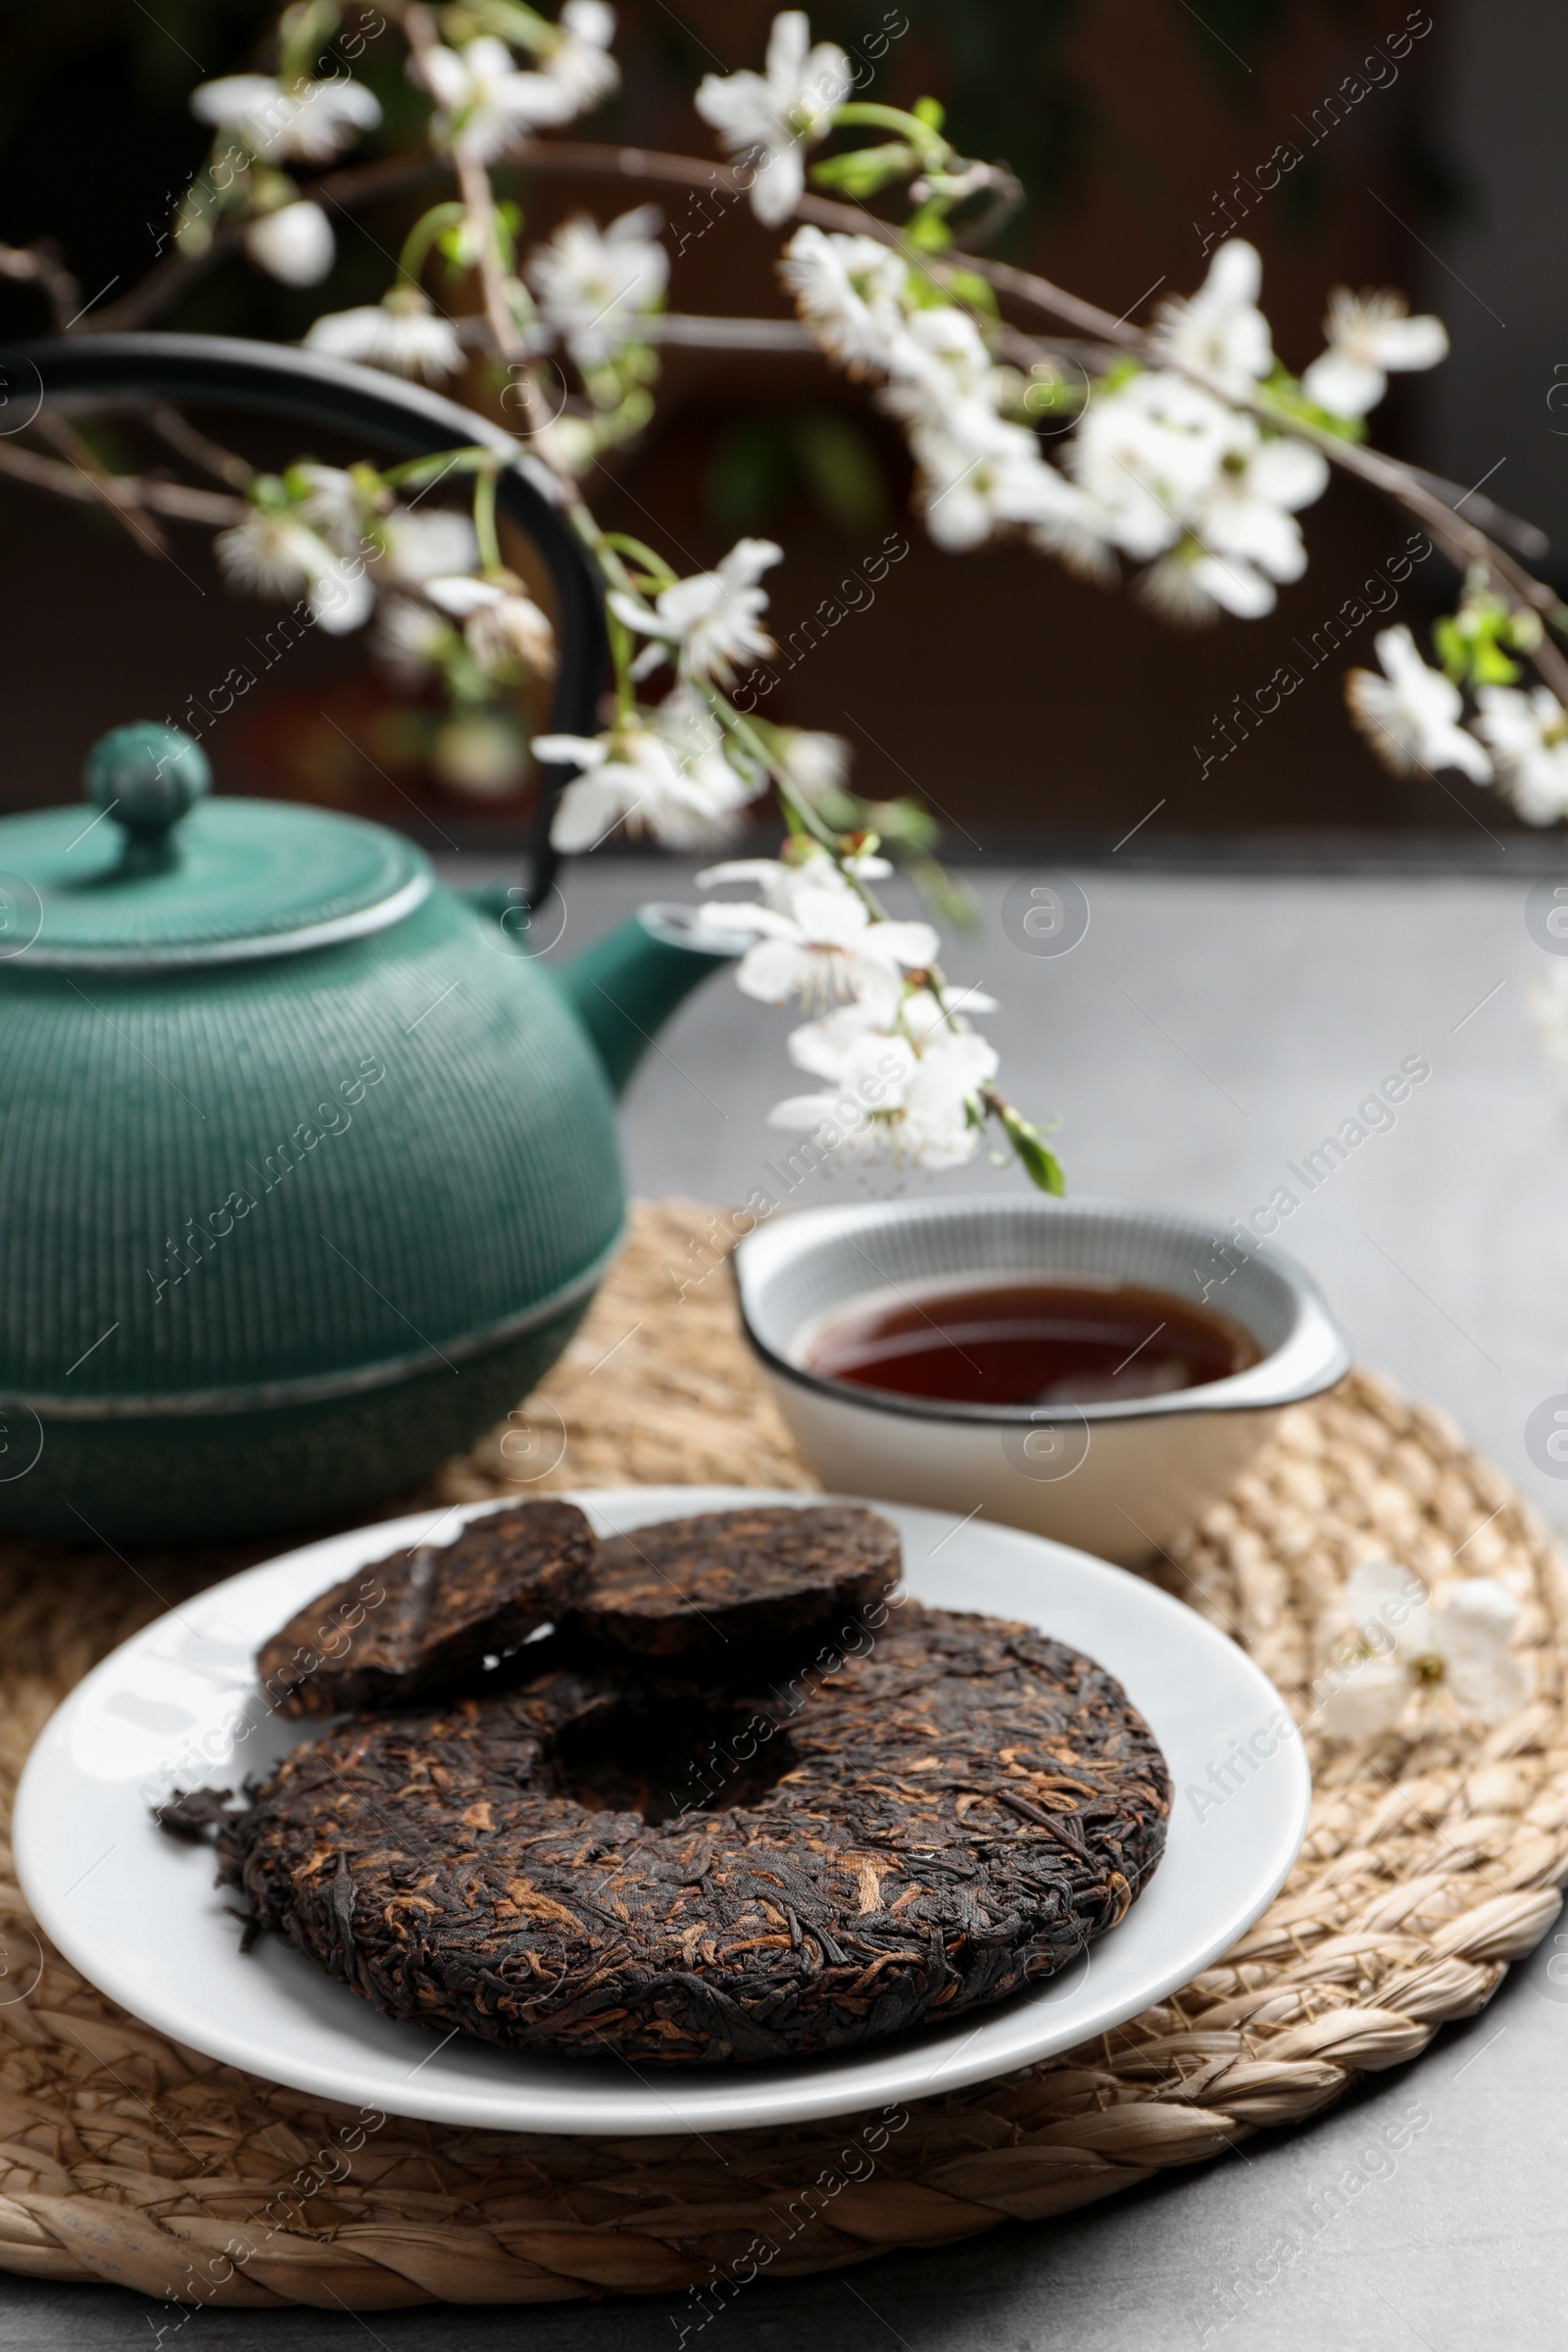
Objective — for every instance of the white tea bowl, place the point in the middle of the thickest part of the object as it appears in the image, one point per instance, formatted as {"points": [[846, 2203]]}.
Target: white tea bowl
{"points": [[1119, 1478]]}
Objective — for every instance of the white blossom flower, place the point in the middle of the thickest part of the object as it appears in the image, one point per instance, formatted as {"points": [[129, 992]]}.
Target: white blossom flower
{"points": [[1146, 453], [1192, 587], [580, 60], [1529, 738], [1370, 337], [708, 623], [867, 1072], [596, 286], [294, 244], [939, 369], [357, 515], [402, 334], [633, 776], [1406, 1643], [425, 546], [410, 641], [251, 104], [978, 472], [696, 741], [504, 627], [1248, 509], [337, 502], [773, 116], [311, 119], [778, 878], [1410, 714], [1219, 331], [824, 945], [986, 475], [811, 760], [279, 554], [885, 1094], [1243, 535], [849, 291], [486, 104]]}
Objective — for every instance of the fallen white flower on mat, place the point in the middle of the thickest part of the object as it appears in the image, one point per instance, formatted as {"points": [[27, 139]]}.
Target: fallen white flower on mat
{"points": [[1370, 337], [1408, 1643], [1410, 714], [767, 120]]}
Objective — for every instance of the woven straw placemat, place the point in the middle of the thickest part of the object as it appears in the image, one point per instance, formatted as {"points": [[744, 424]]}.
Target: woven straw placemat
{"points": [[1429, 1865]]}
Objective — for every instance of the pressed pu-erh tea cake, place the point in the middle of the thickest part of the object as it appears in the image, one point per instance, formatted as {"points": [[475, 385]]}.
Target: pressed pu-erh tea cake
{"points": [[412, 1623], [698, 1588], [890, 1824]]}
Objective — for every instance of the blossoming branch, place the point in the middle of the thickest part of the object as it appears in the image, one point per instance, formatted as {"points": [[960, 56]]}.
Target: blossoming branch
{"points": [[1183, 450]]}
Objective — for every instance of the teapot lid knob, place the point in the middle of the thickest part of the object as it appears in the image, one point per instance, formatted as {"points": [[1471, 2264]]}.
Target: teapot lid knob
{"points": [[146, 776]]}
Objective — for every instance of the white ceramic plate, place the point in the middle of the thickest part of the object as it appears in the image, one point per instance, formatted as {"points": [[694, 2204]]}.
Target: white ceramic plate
{"points": [[137, 1913]]}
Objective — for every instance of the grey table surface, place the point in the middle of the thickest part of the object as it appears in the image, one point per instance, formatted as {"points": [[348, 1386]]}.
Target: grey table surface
{"points": [[1207, 1030]]}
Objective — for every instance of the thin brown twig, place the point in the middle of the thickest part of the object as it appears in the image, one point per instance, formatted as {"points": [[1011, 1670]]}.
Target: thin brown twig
{"points": [[224, 465], [102, 485], [176, 271], [40, 266], [66, 480], [1464, 542]]}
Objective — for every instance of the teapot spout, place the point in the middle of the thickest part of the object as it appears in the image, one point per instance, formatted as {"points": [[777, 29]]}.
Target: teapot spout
{"points": [[625, 986]]}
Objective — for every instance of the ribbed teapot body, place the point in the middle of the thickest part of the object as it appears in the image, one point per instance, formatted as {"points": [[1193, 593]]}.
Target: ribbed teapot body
{"points": [[277, 1235]]}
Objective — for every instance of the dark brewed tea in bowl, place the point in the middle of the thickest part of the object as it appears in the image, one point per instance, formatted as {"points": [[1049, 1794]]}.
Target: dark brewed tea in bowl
{"points": [[1070, 1342]]}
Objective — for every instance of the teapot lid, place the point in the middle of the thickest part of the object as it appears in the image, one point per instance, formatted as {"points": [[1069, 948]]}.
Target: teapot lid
{"points": [[157, 875]]}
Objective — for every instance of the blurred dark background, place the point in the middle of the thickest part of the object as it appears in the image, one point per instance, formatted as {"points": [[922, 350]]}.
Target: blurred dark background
{"points": [[1029, 708]]}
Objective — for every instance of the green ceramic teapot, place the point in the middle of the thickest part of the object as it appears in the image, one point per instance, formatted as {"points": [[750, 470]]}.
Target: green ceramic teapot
{"points": [[308, 1167]]}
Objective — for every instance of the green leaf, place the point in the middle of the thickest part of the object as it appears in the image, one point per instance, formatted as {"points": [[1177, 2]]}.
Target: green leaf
{"points": [[966, 285], [418, 472], [931, 112], [303, 32], [1492, 667], [862, 170], [1039, 1164], [1451, 646], [927, 231], [1280, 390], [1119, 373]]}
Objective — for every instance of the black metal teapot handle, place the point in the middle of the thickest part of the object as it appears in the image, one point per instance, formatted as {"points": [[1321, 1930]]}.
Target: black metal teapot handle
{"points": [[383, 409]]}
